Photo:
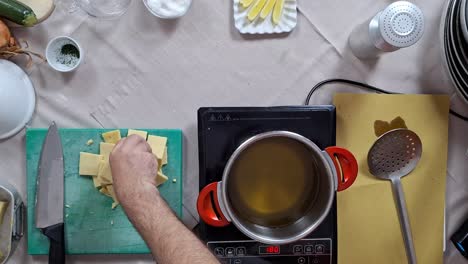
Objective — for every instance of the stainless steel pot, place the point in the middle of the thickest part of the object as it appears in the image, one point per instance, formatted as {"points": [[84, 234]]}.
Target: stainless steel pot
{"points": [[337, 169]]}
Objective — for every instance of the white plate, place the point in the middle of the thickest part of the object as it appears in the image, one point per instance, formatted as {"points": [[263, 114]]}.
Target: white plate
{"points": [[259, 26], [17, 99], [457, 57], [463, 19], [448, 59]]}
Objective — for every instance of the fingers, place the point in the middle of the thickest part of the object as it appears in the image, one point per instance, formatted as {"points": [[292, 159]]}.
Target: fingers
{"points": [[133, 143], [148, 147], [140, 143]]}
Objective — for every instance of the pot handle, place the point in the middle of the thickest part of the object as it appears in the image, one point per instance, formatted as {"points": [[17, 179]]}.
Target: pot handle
{"points": [[346, 166], [209, 209]]}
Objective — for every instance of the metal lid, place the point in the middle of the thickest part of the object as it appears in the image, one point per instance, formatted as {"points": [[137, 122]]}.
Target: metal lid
{"points": [[401, 24]]}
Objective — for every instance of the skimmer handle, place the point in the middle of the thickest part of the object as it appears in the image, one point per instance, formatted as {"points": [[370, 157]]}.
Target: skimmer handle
{"points": [[404, 220]]}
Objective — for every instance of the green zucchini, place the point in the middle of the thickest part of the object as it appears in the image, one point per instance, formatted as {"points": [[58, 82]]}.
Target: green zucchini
{"points": [[17, 12]]}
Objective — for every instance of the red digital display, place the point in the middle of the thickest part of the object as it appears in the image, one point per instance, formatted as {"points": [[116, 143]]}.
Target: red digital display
{"points": [[267, 250]]}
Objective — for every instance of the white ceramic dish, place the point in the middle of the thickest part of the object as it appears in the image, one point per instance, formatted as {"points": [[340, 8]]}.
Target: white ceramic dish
{"points": [[156, 14], [259, 26], [53, 51], [17, 99]]}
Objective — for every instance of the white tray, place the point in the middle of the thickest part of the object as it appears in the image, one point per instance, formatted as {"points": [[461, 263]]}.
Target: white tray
{"points": [[258, 26]]}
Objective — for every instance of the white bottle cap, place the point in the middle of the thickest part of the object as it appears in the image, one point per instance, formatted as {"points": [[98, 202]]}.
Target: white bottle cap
{"points": [[399, 25]]}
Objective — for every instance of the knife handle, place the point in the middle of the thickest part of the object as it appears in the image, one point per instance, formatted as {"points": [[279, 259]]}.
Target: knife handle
{"points": [[56, 237]]}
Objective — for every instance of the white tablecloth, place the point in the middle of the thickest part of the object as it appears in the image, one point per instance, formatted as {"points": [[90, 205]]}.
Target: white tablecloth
{"points": [[143, 72]]}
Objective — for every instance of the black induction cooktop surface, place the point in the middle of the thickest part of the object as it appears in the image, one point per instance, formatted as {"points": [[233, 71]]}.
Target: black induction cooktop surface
{"points": [[220, 132]]}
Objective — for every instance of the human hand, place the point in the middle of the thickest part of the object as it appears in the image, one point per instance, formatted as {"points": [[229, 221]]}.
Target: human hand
{"points": [[134, 169]]}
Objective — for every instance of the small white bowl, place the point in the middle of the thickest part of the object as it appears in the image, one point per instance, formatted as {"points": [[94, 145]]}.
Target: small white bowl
{"points": [[53, 53], [155, 13]]}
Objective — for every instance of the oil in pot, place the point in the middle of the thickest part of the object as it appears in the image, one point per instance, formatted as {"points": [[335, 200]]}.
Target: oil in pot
{"points": [[273, 182]]}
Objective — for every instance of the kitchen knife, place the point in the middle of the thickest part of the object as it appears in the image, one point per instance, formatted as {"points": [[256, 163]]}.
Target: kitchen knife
{"points": [[49, 195]]}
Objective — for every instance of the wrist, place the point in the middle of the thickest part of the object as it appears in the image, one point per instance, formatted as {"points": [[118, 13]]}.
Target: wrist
{"points": [[135, 197]]}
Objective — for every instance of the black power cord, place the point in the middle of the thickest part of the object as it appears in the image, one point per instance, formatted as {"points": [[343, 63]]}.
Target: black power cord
{"points": [[365, 86]]}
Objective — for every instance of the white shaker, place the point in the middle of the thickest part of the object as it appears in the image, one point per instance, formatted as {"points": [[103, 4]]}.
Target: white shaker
{"points": [[400, 25]]}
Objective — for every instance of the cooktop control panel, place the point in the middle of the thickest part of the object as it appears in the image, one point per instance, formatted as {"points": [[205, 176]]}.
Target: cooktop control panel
{"points": [[305, 251]]}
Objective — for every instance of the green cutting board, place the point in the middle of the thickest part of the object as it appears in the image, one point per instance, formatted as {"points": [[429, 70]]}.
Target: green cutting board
{"points": [[91, 226]]}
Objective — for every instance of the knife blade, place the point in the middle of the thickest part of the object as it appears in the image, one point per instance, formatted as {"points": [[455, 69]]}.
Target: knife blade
{"points": [[50, 193]]}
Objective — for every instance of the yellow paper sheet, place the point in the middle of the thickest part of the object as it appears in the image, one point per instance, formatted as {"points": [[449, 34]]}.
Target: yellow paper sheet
{"points": [[368, 223]]}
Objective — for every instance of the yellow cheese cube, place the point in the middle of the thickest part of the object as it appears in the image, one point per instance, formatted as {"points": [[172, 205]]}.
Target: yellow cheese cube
{"points": [[164, 159], [105, 149], [105, 174], [161, 178], [89, 164], [105, 191], [158, 144], [97, 182], [111, 191], [3, 208], [98, 165], [140, 133], [111, 136]]}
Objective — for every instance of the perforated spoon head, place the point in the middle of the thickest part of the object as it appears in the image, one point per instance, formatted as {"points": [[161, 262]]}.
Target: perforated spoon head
{"points": [[395, 154]]}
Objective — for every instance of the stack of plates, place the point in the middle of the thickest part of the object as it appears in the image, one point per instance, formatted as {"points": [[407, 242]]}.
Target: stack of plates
{"points": [[454, 33]]}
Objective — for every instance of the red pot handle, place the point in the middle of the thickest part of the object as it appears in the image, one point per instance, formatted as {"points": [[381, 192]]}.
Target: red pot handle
{"points": [[346, 166], [211, 213]]}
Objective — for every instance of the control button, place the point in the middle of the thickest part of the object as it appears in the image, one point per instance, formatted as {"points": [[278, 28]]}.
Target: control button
{"points": [[230, 252], [297, 249], [241, 251], [309, 249], [315, 261], [301, 260], [320, 249], [237, 261], [219, 252]]}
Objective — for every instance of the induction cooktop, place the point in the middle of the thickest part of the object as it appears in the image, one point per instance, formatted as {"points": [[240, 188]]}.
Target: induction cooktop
{"points": [[220, 131]]}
